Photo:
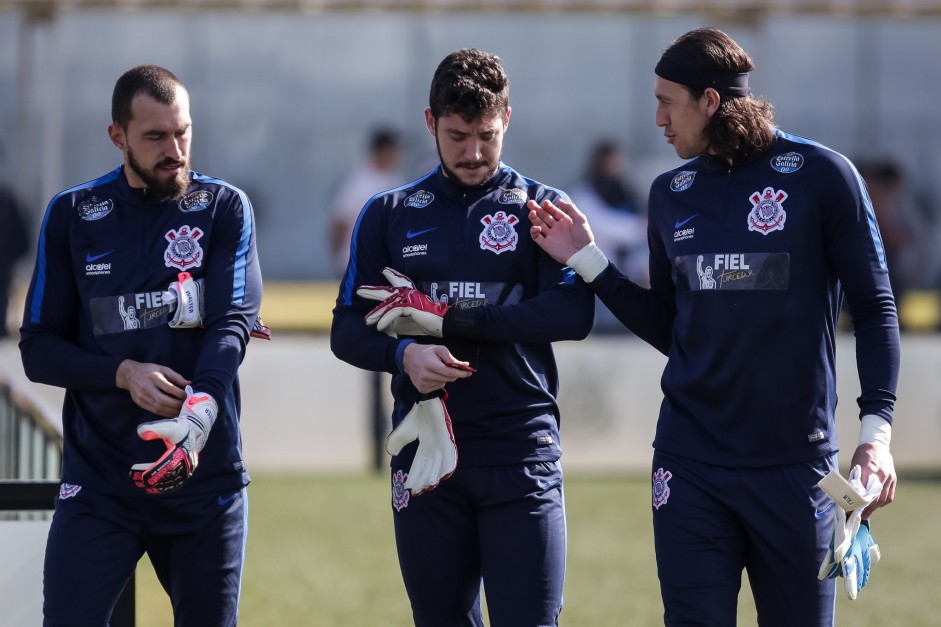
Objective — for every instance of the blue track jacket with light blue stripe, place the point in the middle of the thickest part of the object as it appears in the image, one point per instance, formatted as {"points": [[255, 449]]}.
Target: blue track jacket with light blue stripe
{"points": [[749, 265], [106, 254], [470, 248]]}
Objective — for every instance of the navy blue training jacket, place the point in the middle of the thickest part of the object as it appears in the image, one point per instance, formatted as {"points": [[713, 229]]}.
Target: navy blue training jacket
{"points": [[749, 265], [470, 247], [106, 253]]}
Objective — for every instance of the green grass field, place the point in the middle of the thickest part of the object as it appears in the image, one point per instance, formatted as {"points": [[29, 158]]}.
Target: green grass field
{"points": [[321, 554]]}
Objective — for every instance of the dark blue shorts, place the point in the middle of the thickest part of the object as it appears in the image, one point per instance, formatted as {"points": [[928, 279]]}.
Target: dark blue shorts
{"points": [[711, 523], [196, 544], [503, 526]]}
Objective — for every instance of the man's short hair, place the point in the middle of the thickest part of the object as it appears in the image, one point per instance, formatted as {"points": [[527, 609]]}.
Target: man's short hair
{"points": [[470, 83], [157, 82]]}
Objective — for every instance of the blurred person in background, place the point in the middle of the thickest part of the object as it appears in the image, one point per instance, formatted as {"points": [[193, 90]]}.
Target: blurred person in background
{"points": [[903, 231], [379, 172], [618, 216], [144, 295], [472, 305], [14, 242], [747, 427]]}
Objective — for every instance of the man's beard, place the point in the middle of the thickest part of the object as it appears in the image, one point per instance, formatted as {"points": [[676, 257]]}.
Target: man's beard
{"points": [[452, 175], [161, 188]]}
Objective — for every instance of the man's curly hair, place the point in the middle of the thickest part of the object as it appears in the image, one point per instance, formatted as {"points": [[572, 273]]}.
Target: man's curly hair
{"points": [[471, 83]]}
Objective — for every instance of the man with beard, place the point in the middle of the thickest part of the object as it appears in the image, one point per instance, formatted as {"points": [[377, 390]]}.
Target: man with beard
{"points": [[473, 306], [142, 301]]}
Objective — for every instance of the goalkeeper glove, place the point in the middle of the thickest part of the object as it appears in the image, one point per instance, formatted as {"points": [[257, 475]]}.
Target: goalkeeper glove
{"points": [[404, 310], [184, 436], [436, 457], [187, 294], [862, 555], [852, 551]]}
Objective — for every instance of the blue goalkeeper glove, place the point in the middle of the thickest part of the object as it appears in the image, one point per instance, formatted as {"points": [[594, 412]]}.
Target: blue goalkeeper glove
{"points": [[852, 552], [857, 564], [184, 436]]}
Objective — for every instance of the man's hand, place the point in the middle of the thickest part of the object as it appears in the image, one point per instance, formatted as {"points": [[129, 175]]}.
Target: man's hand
{"points": [[432, 366], [154, 388], [876, 460], [560, 230], [436, 456], [184, 436]]}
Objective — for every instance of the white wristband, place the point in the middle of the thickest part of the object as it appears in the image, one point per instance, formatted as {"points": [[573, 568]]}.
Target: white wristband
{"points": [[874, 430], [588, 262]]}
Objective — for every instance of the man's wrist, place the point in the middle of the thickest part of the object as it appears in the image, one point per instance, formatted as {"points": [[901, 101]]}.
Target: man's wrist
{"points": [[121, 374], [874, 430], [588, 262]]}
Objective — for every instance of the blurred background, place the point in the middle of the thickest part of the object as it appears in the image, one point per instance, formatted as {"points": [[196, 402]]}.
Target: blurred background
{"points": [[286, 92]]}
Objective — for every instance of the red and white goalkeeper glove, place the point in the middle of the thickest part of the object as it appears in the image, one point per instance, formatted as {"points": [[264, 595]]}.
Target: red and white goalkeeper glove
{"points": [[404, 310], [184, 436], [436, 457]]}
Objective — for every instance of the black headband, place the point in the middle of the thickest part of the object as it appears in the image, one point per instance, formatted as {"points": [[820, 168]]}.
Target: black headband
{"points": [[732, 84]]}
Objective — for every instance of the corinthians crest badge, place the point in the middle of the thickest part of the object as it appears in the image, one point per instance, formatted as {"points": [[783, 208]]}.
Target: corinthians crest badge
{"points": [[661, 491], [399, 493], [767, 214], [499, 235], [184, 251]]}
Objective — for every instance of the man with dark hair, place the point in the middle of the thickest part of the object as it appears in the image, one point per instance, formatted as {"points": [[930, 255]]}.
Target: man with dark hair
{"points": [[143, 298], [779, 229], [473, 306]]}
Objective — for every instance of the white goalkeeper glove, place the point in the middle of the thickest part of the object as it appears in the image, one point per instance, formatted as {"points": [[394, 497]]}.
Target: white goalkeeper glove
{"points": [[436, 457], [187, 294], [184, 436], [404, 310], [853, 551]]}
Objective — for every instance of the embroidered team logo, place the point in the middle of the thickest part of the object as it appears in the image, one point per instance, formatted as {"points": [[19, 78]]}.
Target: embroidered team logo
{"points": [[184, 251], [399, 494], [767, 212], [682, 181], [661, 491], [94, 209], [195, 201], [68, 490], [419, 199], [513, 197], [498, 234]]}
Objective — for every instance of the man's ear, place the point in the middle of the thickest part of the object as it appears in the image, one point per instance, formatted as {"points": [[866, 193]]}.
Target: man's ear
{"points": [[430, 122], [710, 101], [117, 136]]}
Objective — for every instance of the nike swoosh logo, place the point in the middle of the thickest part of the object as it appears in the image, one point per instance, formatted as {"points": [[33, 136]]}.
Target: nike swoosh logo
{"points": [[822, 512], [412, 233], [225, 500], [90, 257], [680, 223]]}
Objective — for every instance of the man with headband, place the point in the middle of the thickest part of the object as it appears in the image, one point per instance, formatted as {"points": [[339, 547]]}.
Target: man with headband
{"points": [[754, 243]]}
